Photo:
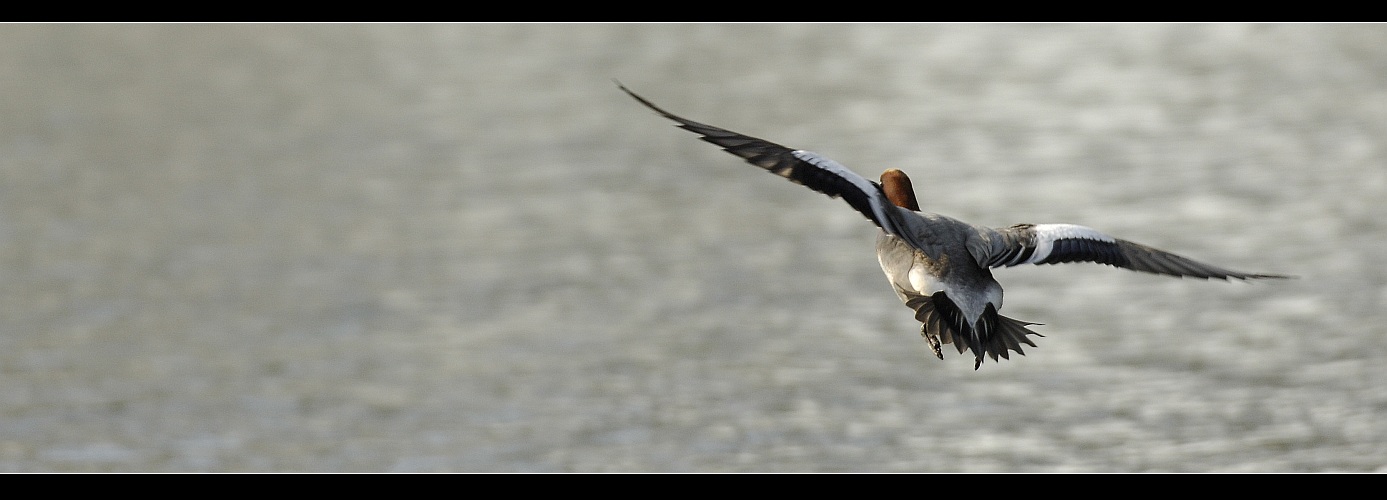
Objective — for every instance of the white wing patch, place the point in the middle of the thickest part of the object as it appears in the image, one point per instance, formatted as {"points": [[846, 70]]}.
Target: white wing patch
{"points": [[877, 200], [1047, 234]]}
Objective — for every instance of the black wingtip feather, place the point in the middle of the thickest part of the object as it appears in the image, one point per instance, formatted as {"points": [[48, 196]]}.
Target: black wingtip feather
{"points": [[781, 161]]}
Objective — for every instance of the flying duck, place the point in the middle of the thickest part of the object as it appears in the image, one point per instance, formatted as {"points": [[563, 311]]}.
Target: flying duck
{"points": [[939, 266]]}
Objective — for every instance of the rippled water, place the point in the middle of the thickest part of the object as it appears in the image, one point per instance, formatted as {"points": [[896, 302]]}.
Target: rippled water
{"points": [[460, 248]]}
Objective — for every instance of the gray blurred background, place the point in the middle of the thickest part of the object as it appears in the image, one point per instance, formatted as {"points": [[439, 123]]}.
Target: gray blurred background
{"points": [[431, 248]]}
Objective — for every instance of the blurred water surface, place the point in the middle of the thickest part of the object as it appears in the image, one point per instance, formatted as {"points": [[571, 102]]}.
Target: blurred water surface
{"points": [[460, 248]]}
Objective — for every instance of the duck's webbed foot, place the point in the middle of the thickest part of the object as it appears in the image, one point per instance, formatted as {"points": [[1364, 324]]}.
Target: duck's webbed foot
{"points": [[933, 342]]}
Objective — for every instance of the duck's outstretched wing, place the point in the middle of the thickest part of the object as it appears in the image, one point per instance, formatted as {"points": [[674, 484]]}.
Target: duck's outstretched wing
{"points": [[1061, 243], [802, 167]]}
